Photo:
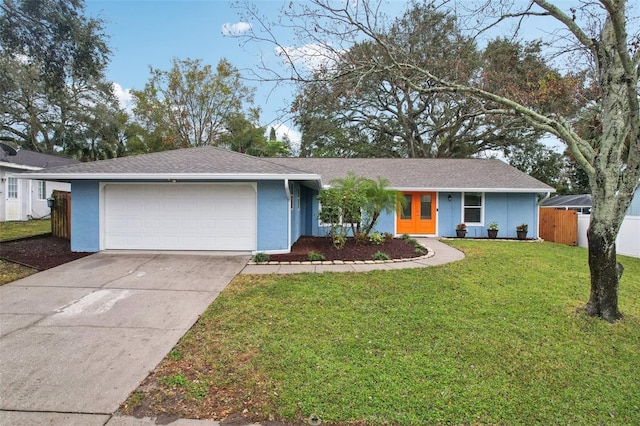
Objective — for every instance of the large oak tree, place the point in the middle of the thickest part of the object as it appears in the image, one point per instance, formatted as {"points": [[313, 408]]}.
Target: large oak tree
{"points": [[52, 89]]}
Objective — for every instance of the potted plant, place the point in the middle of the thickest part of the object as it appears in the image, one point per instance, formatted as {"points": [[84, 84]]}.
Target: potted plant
{"points": [[493, 230], [461, 230], [521, 230]]}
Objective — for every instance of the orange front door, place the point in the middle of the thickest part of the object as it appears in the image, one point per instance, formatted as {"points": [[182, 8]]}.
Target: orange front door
{"points": [[418, 216]]}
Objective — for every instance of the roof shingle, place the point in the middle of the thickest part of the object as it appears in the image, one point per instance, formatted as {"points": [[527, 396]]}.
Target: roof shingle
{"points": [[25, 157], [408, 173], [427, 173]]}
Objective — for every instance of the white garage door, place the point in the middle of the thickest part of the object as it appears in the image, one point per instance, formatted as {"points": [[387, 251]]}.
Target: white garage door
{"points": [[177, 216]]}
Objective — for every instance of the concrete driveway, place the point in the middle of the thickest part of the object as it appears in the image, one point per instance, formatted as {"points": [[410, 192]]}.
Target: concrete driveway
{"points": [[77, 339]]}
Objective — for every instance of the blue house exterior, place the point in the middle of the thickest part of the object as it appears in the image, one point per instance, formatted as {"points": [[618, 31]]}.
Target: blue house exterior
{"points": [[212, 199]]}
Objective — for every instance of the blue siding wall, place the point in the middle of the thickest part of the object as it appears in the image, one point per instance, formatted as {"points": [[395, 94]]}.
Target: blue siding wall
{"points": [[634, 208], [506, 209], [510, 210], [449, 213], [386, 223], [273, 214], [85, 216]]}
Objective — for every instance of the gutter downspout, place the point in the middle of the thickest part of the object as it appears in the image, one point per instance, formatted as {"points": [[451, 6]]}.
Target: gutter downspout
{"points": [[288, 193]]}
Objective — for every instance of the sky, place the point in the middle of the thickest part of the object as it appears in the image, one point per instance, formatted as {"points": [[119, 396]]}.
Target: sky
{"points": [[145, 33]]}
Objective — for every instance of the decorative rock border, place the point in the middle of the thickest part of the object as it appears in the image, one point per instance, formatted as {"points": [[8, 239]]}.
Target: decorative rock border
{"points": [[430, 253]]}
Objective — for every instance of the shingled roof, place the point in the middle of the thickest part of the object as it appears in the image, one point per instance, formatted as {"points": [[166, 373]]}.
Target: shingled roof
{"points": [[200, 162], [425, 173], [215, 163], [33, 159]]}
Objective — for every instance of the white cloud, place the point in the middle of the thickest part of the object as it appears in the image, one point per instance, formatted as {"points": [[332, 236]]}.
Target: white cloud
{"points": [[283, 130], [312, 56], [124, 97], [237, 29]]}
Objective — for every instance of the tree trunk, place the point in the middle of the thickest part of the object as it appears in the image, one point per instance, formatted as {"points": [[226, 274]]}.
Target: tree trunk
{"points": [[605, 275]]}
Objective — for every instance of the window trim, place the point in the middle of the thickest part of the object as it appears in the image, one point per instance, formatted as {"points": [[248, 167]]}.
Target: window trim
{"points": [[12, 188], [481, 206], [42, 190]]}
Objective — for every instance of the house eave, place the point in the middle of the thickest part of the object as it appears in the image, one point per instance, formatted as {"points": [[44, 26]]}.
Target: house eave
{"points": [[166, 176], [459, 189], [519, 190], [18, 166]]}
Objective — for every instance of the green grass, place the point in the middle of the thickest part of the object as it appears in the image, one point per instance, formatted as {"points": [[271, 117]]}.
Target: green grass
{"points": [[10, 272], [12, 230], [493, 339]]}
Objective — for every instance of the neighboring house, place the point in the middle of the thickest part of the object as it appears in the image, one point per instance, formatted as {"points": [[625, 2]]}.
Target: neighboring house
{"points": [[579, 202], [24, 199], [211, 199]]}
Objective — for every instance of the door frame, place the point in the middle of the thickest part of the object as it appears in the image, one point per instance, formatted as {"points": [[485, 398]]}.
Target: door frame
{"points": [[12, 203], [434, 209]]}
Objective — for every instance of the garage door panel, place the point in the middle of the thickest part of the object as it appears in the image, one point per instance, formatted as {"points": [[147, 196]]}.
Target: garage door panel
{"points": [[180, 217]]}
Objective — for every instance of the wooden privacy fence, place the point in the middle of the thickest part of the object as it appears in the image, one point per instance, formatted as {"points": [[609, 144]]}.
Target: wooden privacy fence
{"points": [[61, 215], [559, 226]]}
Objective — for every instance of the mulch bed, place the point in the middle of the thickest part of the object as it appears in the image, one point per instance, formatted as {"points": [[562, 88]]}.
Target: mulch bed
{"points": [[39, 252], [396, 248]]}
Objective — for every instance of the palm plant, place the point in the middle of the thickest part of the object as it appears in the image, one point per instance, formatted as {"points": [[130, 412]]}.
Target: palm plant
{"points": [[379, 199]]}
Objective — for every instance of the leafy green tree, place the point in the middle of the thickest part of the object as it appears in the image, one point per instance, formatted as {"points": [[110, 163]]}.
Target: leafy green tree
{"points": [[378, 112], [70, 118], [52, 91], [540, 162], [56, 38], [192, 104]]}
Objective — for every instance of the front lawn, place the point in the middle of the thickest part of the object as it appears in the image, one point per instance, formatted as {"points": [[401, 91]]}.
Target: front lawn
{"points": [[492, 339], [13, 230]]}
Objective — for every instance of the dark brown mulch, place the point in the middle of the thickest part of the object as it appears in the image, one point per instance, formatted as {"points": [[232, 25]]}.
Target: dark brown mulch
{"points": [[395, 248], [40, 252]]}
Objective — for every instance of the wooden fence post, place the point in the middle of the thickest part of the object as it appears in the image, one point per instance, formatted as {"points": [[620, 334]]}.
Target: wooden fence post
{"points": [[61, 215]]}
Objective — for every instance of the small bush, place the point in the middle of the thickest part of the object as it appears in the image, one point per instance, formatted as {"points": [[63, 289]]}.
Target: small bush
{"points": [[339, 241], [313, 256], [380, 256], [376, 238], [419, 251], [388, 236], [261, 257], [412, 241], [405, 236], [360, 237]]}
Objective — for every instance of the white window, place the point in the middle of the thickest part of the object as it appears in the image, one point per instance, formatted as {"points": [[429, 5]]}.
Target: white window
{"points": [[42, 190], [12, 188], [473, 208]]}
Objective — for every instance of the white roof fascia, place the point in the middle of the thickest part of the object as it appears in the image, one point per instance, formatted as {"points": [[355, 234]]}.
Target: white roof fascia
{"points": [[165, 176], [527, 190], [18, 166]]}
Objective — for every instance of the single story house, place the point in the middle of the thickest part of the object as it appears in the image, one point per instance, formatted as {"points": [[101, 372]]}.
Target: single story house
{"points": [[24, 199], [208, 198]]}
